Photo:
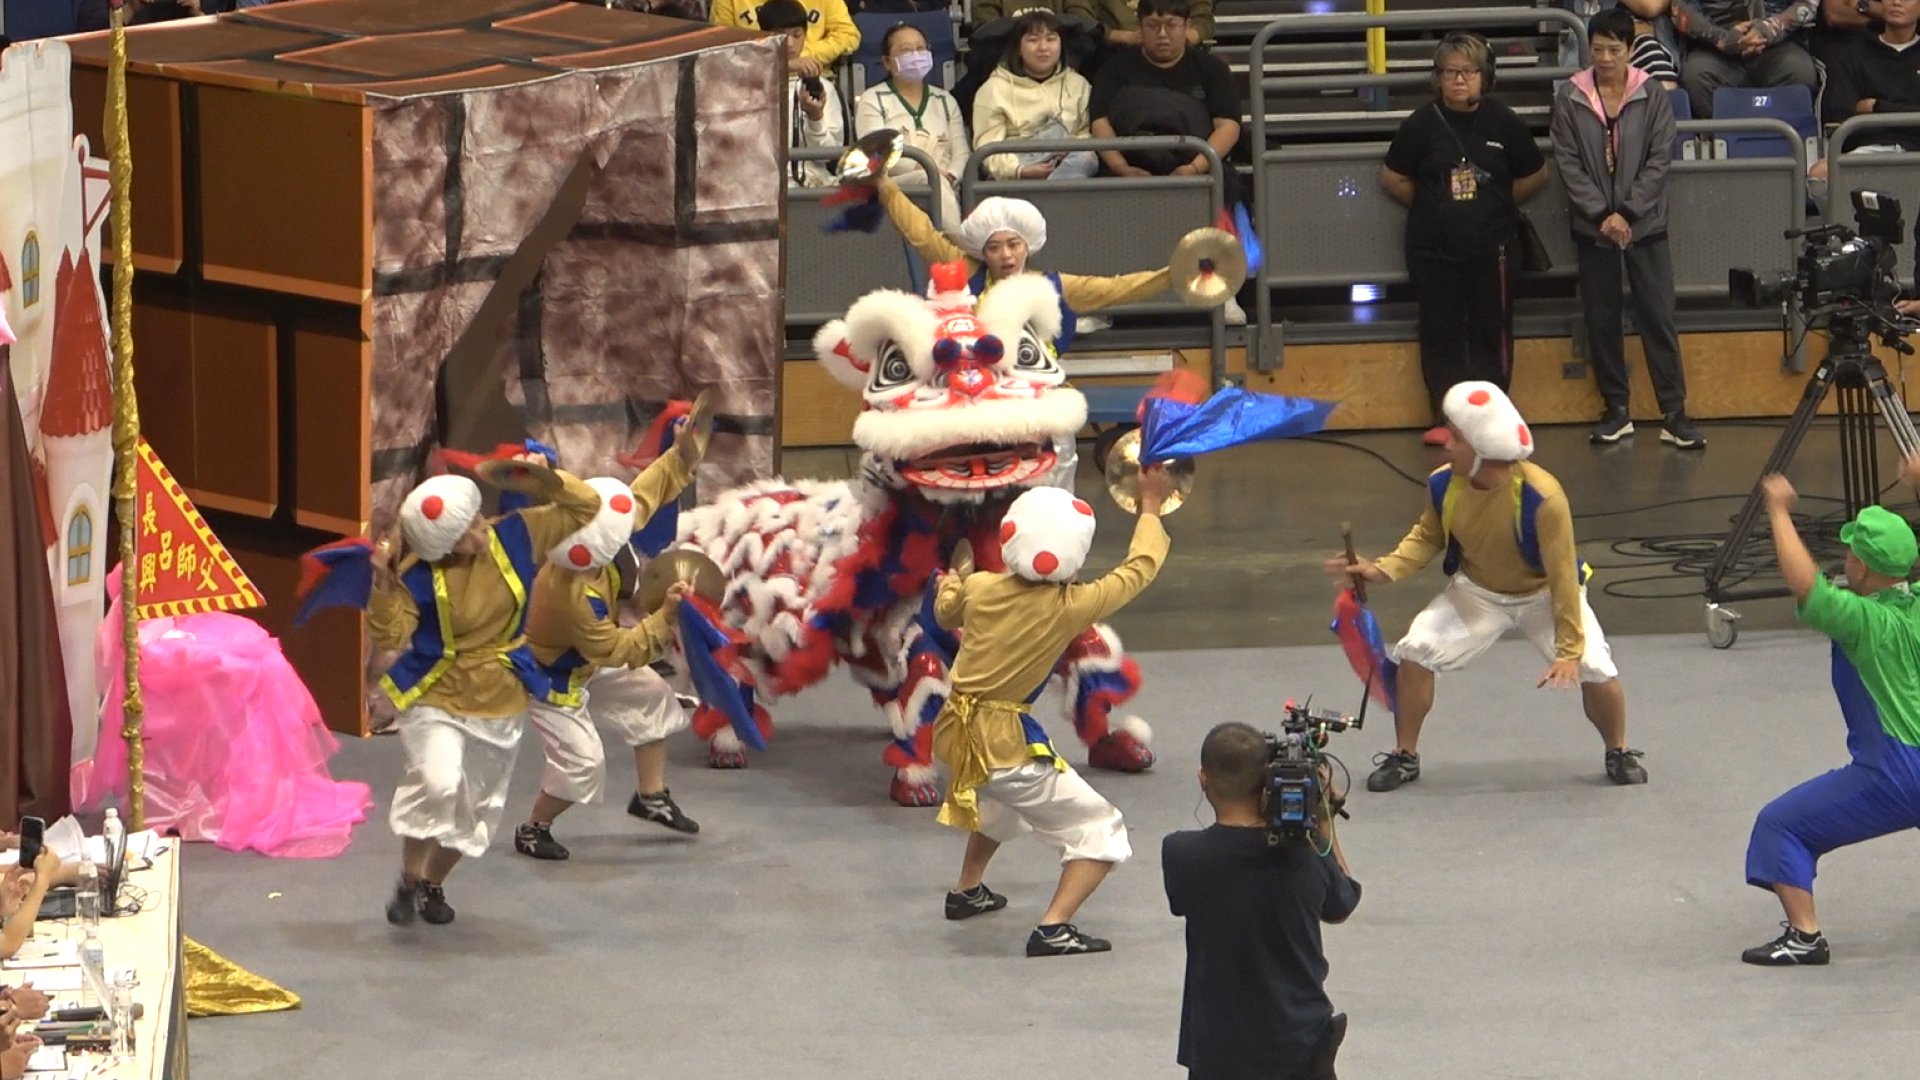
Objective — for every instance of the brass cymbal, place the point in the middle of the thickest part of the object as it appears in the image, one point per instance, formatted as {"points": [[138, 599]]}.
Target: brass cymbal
{"points": [[680, 565], [1208, 267], [521, 477], [875, 153], [1123, 476]]}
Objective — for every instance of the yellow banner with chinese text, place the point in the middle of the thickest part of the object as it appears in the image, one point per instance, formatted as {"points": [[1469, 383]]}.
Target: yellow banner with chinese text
{"points": [[184, 569]]}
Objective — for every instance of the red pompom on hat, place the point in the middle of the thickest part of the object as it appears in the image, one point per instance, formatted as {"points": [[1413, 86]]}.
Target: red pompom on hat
{"points": [[949, 277], [1046, 534]]}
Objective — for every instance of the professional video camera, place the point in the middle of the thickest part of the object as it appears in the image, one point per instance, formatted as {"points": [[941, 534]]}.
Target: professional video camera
{"points": [[1837, 268], [1295, 758]]}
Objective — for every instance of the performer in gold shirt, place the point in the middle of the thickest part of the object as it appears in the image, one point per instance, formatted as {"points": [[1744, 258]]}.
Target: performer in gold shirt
{"points": [[455, 608], [1004, 777], [1506, 534], [596, 669]]}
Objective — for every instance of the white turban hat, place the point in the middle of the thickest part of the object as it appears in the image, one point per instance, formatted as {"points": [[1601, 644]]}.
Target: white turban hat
{"points": [[594, 544], [436, 514], [1486, 417], [999, 214], [1046, 534]]}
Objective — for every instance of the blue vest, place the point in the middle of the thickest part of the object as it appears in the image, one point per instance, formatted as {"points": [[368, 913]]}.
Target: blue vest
{"points": [[1063, 340], [1443, 487], [568, 674], [431, 652]]}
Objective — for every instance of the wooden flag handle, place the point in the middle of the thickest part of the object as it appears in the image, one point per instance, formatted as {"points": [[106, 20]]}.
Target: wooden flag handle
{"points": [[1359, 586]]}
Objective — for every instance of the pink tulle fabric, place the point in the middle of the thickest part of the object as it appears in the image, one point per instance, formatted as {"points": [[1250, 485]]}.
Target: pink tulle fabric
{"points": [[235, 749]]}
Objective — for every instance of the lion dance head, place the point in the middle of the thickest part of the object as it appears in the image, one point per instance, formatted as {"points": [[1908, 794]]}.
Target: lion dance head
{"points": [[964, 396]]}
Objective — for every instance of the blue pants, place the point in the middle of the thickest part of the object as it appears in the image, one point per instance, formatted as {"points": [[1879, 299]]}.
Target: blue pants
{"points": [[1878, 794]]}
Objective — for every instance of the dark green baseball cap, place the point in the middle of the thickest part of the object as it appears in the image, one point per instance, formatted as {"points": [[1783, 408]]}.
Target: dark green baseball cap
{"points": [[1883, 540]]}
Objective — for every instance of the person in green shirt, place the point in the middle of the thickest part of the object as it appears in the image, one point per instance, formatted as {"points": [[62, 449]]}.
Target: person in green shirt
{"points": [[1874, 624]]}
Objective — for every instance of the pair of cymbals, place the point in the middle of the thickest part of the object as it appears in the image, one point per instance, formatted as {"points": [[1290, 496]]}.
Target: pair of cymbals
{"points": [[1122, 469], [677, 567], [874, 155], [1208, 267]]}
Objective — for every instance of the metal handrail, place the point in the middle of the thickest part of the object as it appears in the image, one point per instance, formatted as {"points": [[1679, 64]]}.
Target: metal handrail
{"points": [[1260, 324], [1266, 346], [1836, 157], [835, 153], [1215, 179]]}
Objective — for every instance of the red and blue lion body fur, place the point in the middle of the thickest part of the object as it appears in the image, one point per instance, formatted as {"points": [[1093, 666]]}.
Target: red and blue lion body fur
{"points": [[966, 408]]}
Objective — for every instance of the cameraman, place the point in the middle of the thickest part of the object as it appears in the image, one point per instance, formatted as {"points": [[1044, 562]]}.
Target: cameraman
{"points": [[1254, 1007]]}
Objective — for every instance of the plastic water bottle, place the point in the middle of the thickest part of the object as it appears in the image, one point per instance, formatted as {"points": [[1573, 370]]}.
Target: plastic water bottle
{"points": [[114, 832], [86, 901], [93, 968]]}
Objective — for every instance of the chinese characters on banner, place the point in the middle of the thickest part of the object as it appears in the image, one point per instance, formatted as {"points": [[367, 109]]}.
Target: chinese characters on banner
{"points": [[184, 569]]}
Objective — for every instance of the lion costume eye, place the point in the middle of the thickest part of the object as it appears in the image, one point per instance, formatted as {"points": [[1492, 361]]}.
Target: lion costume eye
{"points": [[892, 370], [1033, 357]]}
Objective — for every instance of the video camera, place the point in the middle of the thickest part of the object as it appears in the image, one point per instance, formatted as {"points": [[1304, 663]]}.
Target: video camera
{"points": [[1294, 761], [1837, 268]]}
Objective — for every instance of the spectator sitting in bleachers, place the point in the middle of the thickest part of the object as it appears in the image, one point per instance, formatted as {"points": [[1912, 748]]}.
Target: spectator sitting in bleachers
{"points": [[1164, 87], [1082, 39], [1033, 95], [1880, 74], [1462, 167], [1122, 20], [816, 117], [1839, 26], [831, 33], [927, 116], [1731, 49]]}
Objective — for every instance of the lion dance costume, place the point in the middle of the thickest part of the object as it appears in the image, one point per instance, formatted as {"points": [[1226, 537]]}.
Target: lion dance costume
{"points": [[966, 407]]}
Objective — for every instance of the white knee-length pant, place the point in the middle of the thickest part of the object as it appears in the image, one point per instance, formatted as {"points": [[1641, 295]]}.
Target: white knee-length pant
{"points": [[635, 702], [1058, 806], [1465, 621], [455, 786]]}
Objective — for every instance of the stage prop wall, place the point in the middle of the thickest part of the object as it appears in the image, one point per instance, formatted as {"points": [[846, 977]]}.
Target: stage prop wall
{"points": [[53, 197], [338, 202]]}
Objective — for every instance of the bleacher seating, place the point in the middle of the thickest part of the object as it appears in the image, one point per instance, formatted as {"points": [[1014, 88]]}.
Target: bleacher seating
{"points": [[1791, 104]]}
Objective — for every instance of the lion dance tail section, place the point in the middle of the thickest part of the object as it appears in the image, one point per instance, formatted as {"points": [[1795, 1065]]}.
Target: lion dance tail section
{"points": [[1100, 676]]}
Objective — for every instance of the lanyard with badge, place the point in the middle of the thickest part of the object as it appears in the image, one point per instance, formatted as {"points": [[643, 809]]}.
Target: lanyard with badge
{"points": [[1464, 180]]}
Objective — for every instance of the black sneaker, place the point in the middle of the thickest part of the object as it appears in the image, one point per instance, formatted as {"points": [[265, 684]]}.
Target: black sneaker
{"points": [[1396, 767], [1790, 948], [1680, 431], [1064, 940], [1623, 767], [433, 905], [662, 810], [401, 908], [976, 901], [536, 840], [1615, 426]]}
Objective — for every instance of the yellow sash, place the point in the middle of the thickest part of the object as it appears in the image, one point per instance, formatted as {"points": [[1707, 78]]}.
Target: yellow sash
{"points": [[968, 767]]}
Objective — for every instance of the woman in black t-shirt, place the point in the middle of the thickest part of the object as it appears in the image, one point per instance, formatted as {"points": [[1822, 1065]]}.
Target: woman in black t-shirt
{"points": [[1462, 167]]}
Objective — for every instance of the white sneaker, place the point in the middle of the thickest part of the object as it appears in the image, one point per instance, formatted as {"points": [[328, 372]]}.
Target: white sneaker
{"points": [[1235, 316], [1092, 324]]}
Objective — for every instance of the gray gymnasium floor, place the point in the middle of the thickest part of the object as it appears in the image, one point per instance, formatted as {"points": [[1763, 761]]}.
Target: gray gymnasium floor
{"points": [[1522, 918]]}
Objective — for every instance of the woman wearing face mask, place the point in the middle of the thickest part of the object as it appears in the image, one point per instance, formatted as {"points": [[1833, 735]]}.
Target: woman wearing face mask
{"points": [[1033, 95], [926, 115]]}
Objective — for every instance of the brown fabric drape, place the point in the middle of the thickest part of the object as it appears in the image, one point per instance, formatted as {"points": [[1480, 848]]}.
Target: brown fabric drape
{"points": [[36, 727]]}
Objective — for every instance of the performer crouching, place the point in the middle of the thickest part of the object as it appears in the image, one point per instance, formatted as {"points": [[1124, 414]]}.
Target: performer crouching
{"points": [[1505, 529], [1874, 623], [456, 609], [1003, 774], [597, 671]]}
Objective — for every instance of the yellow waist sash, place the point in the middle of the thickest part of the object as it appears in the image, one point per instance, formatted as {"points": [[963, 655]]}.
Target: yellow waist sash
{"points": [[967, 755]]}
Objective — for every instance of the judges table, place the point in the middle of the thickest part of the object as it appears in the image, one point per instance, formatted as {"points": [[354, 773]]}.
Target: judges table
{"points": [[147, 941]]}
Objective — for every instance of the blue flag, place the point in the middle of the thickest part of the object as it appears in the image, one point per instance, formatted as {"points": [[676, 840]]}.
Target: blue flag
{"points": [[1173, 428], [339, 574], [715, 684]]}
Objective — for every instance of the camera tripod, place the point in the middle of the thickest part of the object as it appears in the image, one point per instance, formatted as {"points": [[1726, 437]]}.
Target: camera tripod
{"points": [[1859, 381]]}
